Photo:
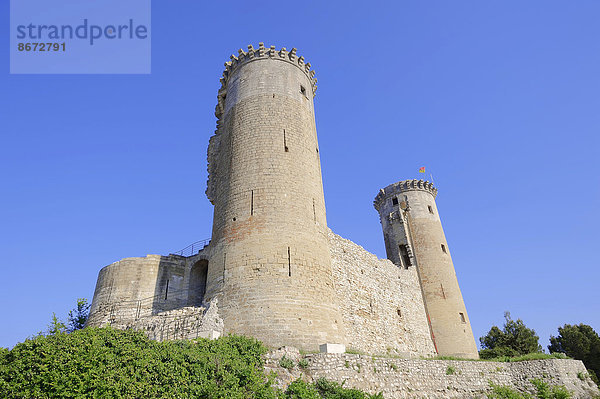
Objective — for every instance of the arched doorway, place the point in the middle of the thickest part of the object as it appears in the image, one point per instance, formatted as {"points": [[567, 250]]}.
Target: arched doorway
{"points": [[197, 287]]}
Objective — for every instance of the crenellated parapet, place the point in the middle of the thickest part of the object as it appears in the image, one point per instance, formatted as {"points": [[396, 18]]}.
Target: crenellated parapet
{"points": [[260, 53], [403, 186]]}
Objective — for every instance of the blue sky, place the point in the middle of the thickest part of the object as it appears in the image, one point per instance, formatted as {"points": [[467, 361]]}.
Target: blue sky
{"points": [[499, 100]]}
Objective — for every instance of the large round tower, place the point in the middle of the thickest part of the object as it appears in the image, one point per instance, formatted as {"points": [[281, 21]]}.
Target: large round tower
{"points": [[269, 250], [414, 236]]}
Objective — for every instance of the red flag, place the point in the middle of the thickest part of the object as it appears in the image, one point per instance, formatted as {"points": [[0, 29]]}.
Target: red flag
{"points": [[422, 169]]}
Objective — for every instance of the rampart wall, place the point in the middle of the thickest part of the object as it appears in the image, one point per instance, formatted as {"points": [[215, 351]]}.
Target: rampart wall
{"points": [[381, 303], [433, 379]]}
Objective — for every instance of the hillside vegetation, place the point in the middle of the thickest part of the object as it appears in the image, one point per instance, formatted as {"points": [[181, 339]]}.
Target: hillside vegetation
{"points": [[109, 363]]}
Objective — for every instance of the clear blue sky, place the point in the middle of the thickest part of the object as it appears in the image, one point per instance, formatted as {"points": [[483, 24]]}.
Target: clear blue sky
{"points": [[499, 100]]}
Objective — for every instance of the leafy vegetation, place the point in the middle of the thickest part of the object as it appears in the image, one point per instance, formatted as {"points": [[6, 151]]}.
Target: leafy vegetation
{"points": [[514, 339], [78, 316], [286, 363], [56, 326], [110, 363], [579, 342], [529, 356], [543, 391], [325, 389]]}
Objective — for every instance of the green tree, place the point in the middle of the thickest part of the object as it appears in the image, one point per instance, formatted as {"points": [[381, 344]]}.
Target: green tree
{"points": [[579, 342], [56, 326], [514, 339], [79, 315]]}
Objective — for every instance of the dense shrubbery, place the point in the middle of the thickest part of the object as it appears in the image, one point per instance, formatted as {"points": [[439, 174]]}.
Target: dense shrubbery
{"points": [[515, 339], [325, 389], [543, 391], [104, 362]]}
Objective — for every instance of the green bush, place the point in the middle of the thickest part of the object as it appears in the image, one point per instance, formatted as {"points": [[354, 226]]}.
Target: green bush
{"points": [[124, 364], [543, 391], [303, 363], [504, 392], [450, 370], [299, 389], [286, 363], [333, 390], [109, 363]]}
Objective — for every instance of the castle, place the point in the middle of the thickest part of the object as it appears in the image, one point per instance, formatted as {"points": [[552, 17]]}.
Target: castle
{"points": [[273, 270]]}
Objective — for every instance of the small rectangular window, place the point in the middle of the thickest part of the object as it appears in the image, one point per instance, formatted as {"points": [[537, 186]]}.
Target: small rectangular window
{"points": [[394, 201], [444, 249], [430, 209], [462, 318]]}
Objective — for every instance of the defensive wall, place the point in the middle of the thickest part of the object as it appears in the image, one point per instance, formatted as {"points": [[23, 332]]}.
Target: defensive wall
{"points": [[427, 378], [380, 302]]}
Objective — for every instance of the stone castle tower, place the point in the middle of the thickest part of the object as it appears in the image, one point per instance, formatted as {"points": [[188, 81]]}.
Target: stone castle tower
{"points": [[413, 236], [269, 250]]}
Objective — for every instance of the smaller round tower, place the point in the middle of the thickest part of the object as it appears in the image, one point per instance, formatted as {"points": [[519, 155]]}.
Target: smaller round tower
{"points": [[414, 237]]}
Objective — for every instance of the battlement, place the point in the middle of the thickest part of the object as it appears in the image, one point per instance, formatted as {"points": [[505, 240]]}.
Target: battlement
{"points": [[403, 186], [261, 53]]}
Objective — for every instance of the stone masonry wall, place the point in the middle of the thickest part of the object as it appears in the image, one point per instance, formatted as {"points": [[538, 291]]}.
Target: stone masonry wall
{"points": [[184, 323], [420, 378], [381, 303]]}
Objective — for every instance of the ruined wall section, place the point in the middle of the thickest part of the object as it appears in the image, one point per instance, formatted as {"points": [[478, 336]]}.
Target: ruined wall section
{"points": [[381, 303], [183, 323]]}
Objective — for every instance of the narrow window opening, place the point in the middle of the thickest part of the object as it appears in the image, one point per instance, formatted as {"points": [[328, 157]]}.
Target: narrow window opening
{"points": [[234, 219], [399, 312], [395, 201], [317, 150], [285, 147], [289, 263], [430, 209], [303, 90], [273, 95], [167, 290], [462, 317], [314, 211], [251, 202], [224, 260], [444, 249], [443, 292], [404, 255]]}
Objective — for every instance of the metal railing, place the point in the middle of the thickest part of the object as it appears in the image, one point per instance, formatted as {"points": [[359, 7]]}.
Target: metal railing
{"points": [[193, 248]]}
